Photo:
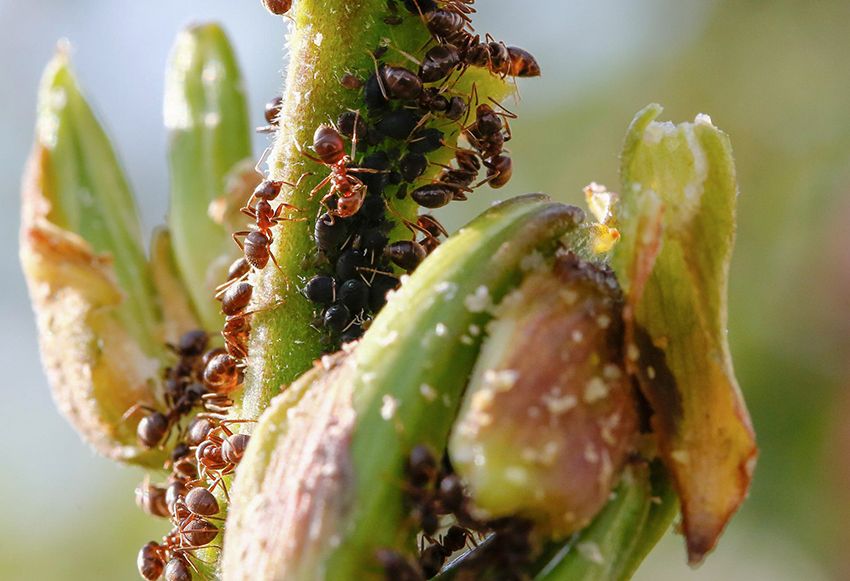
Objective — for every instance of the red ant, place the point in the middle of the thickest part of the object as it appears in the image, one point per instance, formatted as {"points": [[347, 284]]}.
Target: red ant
{"points": [[258, 242], [330, 149]]}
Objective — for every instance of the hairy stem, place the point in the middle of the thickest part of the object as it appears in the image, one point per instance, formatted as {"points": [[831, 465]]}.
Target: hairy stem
{"points": [[328, 40]]}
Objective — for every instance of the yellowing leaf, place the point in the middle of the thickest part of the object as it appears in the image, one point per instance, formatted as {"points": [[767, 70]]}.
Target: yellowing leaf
{"points": [[677, 221]]}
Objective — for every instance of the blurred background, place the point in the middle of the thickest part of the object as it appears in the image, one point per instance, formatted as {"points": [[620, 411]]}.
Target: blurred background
{"points": [[774, 75]]}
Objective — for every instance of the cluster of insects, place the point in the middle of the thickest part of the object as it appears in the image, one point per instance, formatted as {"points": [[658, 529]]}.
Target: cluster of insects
{"points": [[439, 506], [380, 153], [205, 450], [408, 113]]}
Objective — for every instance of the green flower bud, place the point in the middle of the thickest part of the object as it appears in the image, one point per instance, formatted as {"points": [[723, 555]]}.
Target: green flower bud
{"points": [[99, 319]]}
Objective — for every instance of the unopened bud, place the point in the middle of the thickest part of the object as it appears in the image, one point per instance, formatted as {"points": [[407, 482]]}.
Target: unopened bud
{"points": [[549, 417]]}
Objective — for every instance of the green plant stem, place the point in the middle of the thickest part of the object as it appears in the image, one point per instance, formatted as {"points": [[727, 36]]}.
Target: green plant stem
{"points": [[329, 39]]}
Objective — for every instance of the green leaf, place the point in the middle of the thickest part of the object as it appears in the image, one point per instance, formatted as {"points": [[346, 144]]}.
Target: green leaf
{"points": [[677, 224], [209, 133], [322, 479], [621, 535], [99, 320], [88, 194]]}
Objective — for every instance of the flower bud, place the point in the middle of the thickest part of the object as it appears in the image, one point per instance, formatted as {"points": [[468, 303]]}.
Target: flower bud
{"points": [[549, 417], [676, 216], [97, 309], [321, 485], [206, 115]]}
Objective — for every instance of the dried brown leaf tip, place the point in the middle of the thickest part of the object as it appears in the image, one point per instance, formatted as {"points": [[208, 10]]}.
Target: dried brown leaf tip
{"points": [[550, 418], [95, 367], [677, 220]]}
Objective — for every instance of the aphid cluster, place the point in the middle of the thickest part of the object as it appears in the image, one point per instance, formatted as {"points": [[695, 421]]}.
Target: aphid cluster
{"points": [[380, 153], [436, 495], [373, 156]]}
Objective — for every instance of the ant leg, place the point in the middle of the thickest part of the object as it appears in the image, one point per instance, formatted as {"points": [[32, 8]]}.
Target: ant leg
{"points": [[134, 408], [285, 278], [380, 82], [219, 290], [418, 125], [356, 119], [303, 152], [249, 211], [263, 309], [322, 184], [409, 57], [262, 159], [303, 175]]}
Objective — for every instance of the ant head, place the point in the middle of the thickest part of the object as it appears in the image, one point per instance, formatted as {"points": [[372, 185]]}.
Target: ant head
{"points": [[348, 206]]}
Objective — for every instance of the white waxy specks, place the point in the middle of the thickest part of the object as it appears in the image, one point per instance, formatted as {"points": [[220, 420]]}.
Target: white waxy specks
{"points": [[531, 261], [557, 403], [569, 296], [502, 380], [369, 378], [212, 72], [327, 362], [632, 352], [447, 289], [600, 201], [547, 456], [447, 401], [595, 390], [474, 330], [656, 131], [441, 330], [466, 340], [516, 475], [607, 426], [680, 456], [482, 401], [591, 552], [403, 279], [317, 40], [389, 407], [611, 371], [428, 392], [603, 321], [703, 119], [650, 372], [590, 453], [577, 336], [478, 302], [388, 339]]}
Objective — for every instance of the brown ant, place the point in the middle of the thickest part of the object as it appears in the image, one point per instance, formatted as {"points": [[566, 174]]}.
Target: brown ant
{"points": [[153, 429], [272, 115], [277, 7], [330, 149], [257, 244], [151, 498], [218, 455]]}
